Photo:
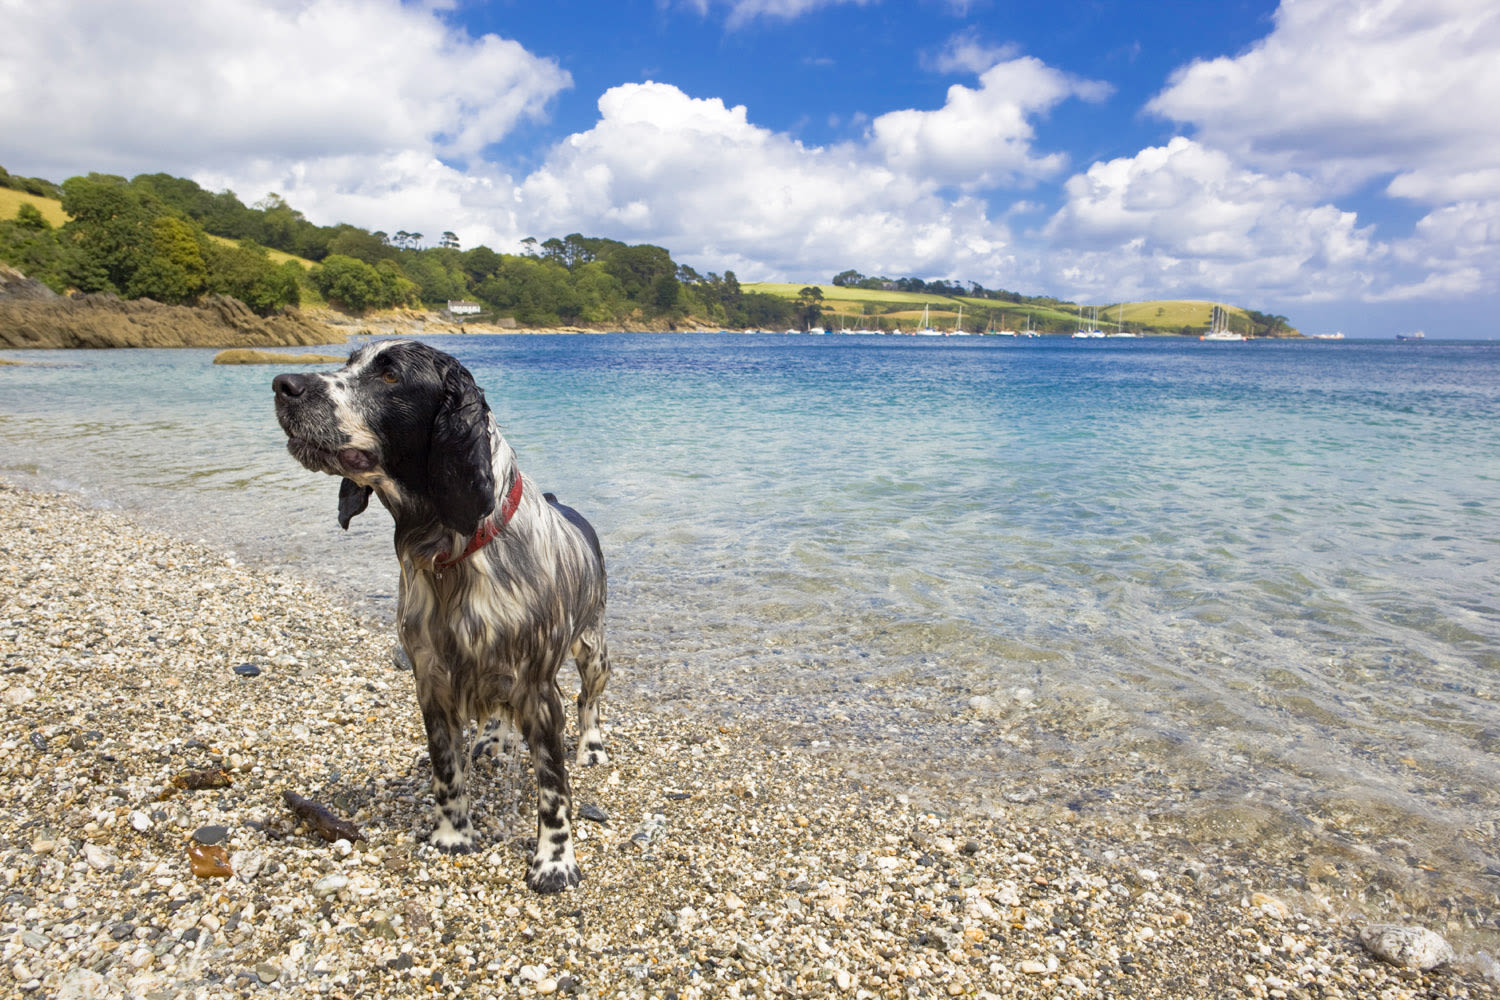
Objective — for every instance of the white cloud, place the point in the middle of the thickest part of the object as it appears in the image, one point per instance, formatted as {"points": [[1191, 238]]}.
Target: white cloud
{"points": [[1185, 219], [966, 53], [212, 86], [700, 178], [981, 138], [742, 12], [1347, 90]]}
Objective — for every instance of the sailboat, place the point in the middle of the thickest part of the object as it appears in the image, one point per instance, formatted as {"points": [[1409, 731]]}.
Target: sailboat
{"points": [[1120, 330], [1218, 327], [1092, 332], [958, 324], [926, 329]]}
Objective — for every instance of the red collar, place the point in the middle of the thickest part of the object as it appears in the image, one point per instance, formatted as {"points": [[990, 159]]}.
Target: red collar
{"points": [[489, 527]]}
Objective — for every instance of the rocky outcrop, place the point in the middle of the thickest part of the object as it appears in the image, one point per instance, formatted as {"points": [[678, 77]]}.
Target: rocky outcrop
{"points": [[244, 356], [31, 315]]}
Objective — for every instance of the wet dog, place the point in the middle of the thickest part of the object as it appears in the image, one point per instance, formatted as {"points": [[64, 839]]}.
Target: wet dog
{"points": [[499, 582]]}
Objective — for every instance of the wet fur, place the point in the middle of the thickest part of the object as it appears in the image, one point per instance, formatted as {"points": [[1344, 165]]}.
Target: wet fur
{"points": [[486, 636]]}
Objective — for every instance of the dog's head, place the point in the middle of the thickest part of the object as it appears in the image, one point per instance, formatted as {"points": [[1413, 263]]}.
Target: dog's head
{"points": [[400, 418]]}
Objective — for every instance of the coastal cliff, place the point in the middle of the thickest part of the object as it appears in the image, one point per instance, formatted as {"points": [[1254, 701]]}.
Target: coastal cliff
{"points": [[31, 315]]}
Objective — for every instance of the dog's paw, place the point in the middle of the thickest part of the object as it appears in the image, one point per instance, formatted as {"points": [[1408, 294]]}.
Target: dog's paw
{"points": [[552, 876], [591, 754], [450, 841]]}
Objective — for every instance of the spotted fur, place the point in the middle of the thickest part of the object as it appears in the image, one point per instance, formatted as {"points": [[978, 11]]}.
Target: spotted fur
{"points": [[487, 634]]}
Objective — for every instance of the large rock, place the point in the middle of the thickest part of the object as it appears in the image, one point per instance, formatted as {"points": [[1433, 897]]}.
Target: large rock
{"points": [[1407, 947], [32, 316]]}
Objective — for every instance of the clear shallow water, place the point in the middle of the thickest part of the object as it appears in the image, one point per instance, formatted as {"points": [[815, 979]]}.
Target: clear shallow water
{"points": [[1233, 577]]}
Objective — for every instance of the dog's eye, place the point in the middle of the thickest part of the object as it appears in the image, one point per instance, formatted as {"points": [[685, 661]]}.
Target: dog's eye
{"points": [[390, 378]]}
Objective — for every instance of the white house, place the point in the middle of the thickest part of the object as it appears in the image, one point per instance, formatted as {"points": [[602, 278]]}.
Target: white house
{"points": [[461, 307]]}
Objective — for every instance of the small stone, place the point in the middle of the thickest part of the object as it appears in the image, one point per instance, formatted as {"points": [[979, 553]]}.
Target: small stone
{"points": [[98, 858], [267, 973], [140, 821], [43, 846], [1408, 947], [546, 986], [1270, 906], [34, 941], [842, 979], [247, 670], [1033, 968], [330, 884], [209, 861], [211, 834], [593, 813]]}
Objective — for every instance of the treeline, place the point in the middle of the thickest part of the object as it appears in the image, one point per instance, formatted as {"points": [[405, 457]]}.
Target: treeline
{"points": [[153, 236], [940, 286]]}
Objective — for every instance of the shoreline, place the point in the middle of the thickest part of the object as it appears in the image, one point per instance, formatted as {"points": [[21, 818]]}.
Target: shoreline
{"points": [[725, 865]]}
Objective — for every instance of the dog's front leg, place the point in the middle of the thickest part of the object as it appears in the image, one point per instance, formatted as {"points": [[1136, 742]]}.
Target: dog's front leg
{"points": [[454, 832], [553, 867]]}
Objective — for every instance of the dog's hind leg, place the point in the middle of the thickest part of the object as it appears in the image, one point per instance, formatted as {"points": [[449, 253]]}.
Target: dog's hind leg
{"points": [[553, 867], [591, 653]]}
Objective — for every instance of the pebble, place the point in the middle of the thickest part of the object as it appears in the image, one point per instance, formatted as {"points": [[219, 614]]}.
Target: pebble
{"points": [[1408, 947], [211, 834], [247, 670], [330, 884]]}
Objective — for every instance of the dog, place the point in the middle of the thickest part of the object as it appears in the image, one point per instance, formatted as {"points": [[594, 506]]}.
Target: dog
{"points": [[500, 583]]}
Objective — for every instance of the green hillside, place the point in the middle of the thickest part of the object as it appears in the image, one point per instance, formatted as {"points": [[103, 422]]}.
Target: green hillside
{"points": [[860, 308]]}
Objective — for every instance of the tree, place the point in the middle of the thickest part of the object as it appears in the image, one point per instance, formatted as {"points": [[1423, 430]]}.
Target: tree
{"points": [[480, 263], [348, 282], [245, 271], [849, 278], [449, 240], [30, 244], [109, 232], [173, 269], [809, 306]]}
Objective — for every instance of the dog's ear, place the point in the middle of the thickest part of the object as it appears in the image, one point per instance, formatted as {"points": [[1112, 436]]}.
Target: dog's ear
{"points": [[458, 455], [353, 499]]}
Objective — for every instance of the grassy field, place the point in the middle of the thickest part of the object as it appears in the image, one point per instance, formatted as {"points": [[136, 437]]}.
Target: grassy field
{"points": [[11, 202], [849, 306]]}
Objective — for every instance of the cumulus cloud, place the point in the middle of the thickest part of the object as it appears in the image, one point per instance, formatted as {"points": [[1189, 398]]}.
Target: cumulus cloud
{"points": [[310, 89], [1343, 93], [1347, 90], [982, 137], [1187, 219], [701, 178]]}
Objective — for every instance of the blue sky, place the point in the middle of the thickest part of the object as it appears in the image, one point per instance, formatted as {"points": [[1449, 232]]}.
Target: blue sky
{"points": [[1336, 161]]}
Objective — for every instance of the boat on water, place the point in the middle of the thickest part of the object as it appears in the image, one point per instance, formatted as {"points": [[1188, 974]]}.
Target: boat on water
{"points": [[1120, 331], [926, 329], [1218, 328], [1414, 335], [1338, 335]]}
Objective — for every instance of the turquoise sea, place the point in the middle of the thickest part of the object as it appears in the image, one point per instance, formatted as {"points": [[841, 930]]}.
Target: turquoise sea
{"points": [[1249, 591]]}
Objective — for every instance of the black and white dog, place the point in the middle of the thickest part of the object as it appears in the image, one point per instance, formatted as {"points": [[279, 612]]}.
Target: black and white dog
{"points": [[499, 582]]}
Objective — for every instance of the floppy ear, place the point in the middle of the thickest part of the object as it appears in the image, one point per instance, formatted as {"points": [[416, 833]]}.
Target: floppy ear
{"points": [[458, 454], [353, 499]]}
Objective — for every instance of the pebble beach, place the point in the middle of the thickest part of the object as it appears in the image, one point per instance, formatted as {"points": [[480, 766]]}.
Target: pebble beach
{"points": [[160, 699]]}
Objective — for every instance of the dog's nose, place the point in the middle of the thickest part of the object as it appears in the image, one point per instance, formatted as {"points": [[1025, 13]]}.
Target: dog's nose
{"points": [[289, 385]]}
